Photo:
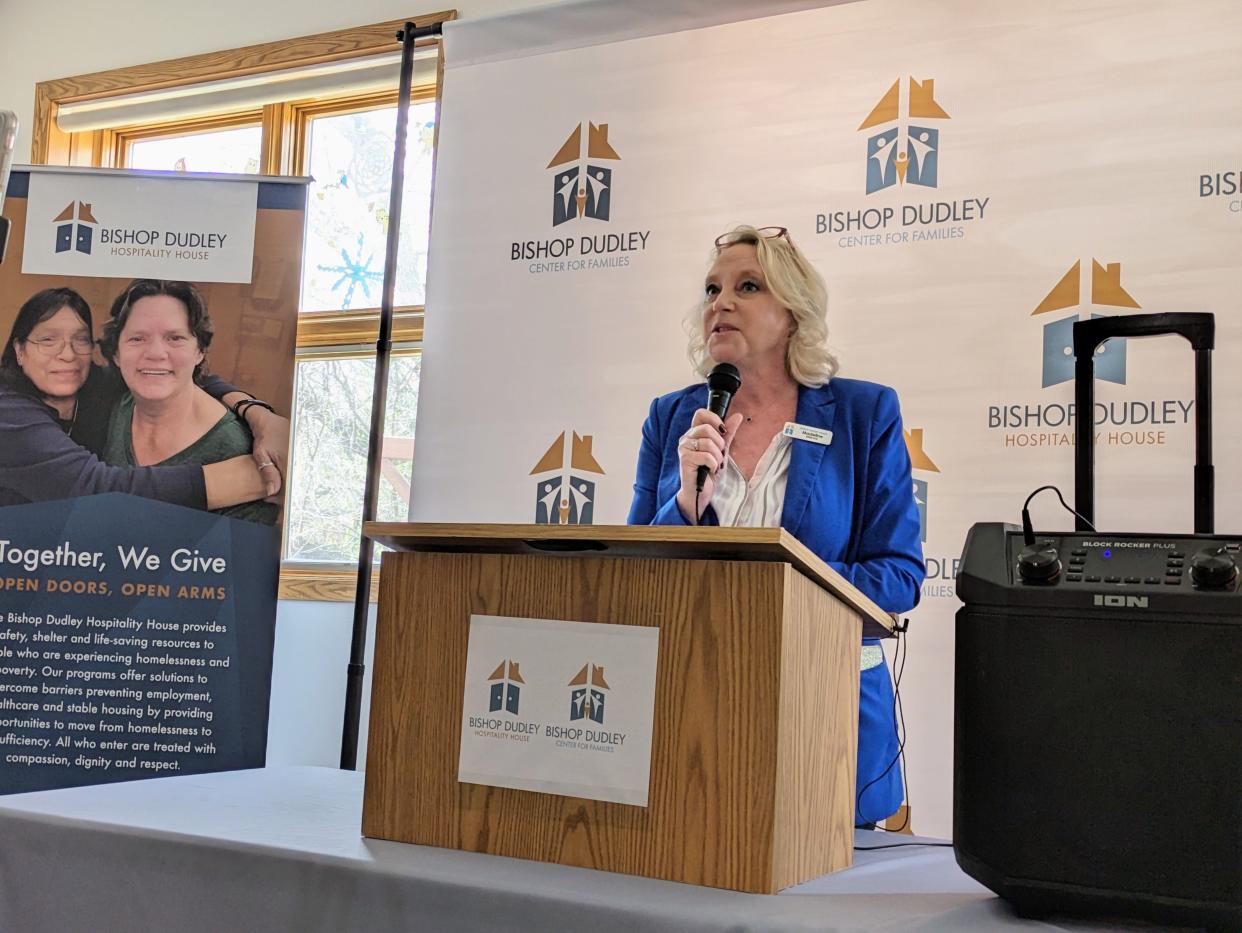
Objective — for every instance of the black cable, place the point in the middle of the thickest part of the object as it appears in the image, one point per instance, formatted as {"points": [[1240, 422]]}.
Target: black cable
{"points": [[904, 845], [900, 726], [1026, 515], [904, 644], [901, 749]]}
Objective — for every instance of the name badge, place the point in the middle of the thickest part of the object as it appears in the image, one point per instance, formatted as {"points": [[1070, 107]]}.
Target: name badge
{"points": [[802, 432]]}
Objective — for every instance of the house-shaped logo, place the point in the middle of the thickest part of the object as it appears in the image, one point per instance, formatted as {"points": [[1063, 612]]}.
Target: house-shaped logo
{"points": [[506, 688], [588, 691], [906, 148], [920, 461], [582, 185], [1105, 291], [75, 228], [565, 492]]}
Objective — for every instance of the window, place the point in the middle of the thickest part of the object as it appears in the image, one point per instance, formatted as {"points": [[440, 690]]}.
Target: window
{"points": [[349, 154], [344, 139], [331, 428], [235, 150]]}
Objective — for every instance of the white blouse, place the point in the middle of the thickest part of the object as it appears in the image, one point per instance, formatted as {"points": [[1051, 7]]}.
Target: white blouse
{"points": [[759, 502]]}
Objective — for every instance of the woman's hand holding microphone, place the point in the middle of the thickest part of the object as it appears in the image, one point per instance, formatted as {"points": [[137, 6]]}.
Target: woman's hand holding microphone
{"points": [[706, 444]]}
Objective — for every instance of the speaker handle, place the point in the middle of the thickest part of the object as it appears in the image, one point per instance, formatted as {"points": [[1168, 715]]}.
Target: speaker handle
{"points": [[1199, 328]]}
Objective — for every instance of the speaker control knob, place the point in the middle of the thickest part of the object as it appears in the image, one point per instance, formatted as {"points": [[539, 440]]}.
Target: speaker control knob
{"points": [[1039, 563], [1213, 569]]}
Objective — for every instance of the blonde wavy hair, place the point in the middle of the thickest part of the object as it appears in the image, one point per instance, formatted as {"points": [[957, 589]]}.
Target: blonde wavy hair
{"points": [[794, 282]]}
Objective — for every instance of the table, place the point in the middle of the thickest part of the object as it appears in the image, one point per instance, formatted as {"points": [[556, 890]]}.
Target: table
{"points": [[279, 849]]}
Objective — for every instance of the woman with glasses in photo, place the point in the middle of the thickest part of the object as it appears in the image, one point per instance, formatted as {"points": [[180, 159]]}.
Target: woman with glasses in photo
{"points": [[54, 409], [838, 479]]}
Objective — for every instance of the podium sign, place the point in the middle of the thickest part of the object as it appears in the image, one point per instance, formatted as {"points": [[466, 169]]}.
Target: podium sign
{"points": [[559, 707]]}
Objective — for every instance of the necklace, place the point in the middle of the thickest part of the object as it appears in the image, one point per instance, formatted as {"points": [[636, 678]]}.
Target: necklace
{"points": [[72, 419], [750, 418]]}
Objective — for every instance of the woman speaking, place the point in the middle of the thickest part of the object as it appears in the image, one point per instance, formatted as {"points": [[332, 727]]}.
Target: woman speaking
{"points": [[838, 479]]}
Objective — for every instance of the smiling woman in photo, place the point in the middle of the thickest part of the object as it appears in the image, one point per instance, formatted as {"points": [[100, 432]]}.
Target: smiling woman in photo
{"points": [[54, 404], [157, 337]]}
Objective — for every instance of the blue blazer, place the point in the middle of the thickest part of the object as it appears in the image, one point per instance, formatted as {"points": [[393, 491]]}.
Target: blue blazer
{"points": [[852, 503]]}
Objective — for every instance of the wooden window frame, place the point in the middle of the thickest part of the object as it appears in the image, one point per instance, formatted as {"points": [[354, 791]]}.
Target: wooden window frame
{"points": [[284, 151], [51, 145]]}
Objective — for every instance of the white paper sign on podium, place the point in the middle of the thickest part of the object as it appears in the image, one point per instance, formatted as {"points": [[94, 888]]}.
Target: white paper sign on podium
{"points": [[559, 707]]}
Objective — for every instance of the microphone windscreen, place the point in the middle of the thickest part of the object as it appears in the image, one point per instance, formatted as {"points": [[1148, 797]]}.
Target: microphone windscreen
{"points": [[724, 377]]}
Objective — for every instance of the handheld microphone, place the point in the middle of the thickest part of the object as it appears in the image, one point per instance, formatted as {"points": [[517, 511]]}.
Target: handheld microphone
{"points": [[722, 384], [8, 139]]}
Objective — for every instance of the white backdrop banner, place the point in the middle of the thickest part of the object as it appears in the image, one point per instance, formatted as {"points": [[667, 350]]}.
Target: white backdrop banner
{"points": [[126, 225], [969, 183]]}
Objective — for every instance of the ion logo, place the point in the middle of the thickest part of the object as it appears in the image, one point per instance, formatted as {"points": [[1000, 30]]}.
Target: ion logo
{"points": [[1117, 601]]}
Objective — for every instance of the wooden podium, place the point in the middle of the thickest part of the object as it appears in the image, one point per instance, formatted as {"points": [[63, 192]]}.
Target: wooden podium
{"points": [[756, 708]]}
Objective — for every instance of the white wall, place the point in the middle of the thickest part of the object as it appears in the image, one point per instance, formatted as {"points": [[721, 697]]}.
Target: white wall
{"points": [[308, 683], [42, 41]]}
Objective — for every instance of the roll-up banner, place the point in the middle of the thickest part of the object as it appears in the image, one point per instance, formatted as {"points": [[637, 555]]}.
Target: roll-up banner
{"points": [[136, 626], [969, 182]]}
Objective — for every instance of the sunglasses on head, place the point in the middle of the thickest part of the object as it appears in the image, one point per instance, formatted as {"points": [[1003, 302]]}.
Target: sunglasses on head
{"points": [[728, 239]]}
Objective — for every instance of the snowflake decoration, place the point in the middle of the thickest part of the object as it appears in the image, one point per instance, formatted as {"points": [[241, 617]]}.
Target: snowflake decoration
{"points": [[355, 272]]}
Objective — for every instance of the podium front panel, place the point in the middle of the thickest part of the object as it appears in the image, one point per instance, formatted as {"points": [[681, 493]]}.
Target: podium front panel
{"points": [[755, 729]]}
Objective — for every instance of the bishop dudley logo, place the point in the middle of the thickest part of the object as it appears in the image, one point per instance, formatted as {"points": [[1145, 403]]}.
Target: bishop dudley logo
{"points": [[1128, 422], [905, 150], [75, 228], [78, 230], [583, 185], [505, 688], [588, 691], [588, 695], [582, 180], [921, 463], [564, 493], [902, 152], [941, 570], [1226, 186]]}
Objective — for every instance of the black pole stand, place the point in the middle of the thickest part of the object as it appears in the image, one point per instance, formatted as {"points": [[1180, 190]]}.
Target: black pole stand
{"points": [[408, 36]]}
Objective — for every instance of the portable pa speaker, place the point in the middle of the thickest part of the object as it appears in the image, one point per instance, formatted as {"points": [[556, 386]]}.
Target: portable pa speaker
{"points": [[1098, 701]]}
